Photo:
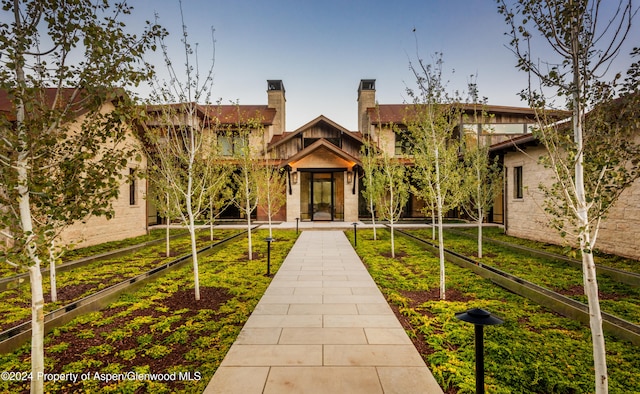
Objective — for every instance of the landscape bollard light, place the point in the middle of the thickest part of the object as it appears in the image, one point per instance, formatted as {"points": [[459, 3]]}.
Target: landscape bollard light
{"points": [[297, 220], [479, 318], [355, 234], [269, 240]]}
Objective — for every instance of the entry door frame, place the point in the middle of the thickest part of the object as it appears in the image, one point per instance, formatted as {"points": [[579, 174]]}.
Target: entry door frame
{"points": [[332, 203]]}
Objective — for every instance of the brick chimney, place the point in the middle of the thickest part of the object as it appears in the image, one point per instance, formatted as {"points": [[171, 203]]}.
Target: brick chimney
{"points": [[366, 99], [275, 93]]}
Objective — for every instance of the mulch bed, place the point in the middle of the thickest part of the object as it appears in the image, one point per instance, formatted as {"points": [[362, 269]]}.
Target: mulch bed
{"points": [[210, 299], [578, 290]]}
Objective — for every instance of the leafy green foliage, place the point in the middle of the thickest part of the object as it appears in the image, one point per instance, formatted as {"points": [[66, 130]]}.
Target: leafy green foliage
{"points": [[615, 298], [203, 337], [85, 280], [534, 351]]}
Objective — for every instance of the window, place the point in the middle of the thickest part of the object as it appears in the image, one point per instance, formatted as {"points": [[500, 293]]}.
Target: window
{"points": [[403, 143], [517, 182], [506, 128], [309, 141], [132, 186], [230, 144]]}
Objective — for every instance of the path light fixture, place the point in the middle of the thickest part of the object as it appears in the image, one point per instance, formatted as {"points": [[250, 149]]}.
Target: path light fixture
{"points": [[355, 234], [297, 221], [269, 240], [479, 318]]}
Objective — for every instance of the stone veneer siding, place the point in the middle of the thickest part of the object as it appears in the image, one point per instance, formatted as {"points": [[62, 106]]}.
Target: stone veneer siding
{"points": [[128, 220], [619, 233]]}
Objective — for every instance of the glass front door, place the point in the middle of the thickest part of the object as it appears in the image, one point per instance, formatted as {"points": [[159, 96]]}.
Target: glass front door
{"points": [[322, 195]]}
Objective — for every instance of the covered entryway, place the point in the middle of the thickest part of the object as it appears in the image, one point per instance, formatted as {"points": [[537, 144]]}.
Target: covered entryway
{"points": [[321, 160], [322, 195]]}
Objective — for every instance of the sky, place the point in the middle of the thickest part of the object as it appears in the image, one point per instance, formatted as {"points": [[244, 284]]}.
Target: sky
{"points": [[322, 49]]}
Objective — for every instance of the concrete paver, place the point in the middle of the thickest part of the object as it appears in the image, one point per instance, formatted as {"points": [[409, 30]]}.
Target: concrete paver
{"points": [[322, 326]]}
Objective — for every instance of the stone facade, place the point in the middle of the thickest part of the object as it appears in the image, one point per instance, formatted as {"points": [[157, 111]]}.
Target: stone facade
{"points": [[525, 218], [130, 211], [129, 220]]}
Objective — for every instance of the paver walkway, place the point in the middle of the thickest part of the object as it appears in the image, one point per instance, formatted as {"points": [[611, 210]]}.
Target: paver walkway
{"points": [[322, 326]]}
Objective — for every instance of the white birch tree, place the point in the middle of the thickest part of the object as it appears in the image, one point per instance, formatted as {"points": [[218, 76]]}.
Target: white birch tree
{"points": [[179, 132], [391, 178], [62, 155], [271, 185], [370, 157], [432, 121], [484, 183], [594, 156], [246, 177]]}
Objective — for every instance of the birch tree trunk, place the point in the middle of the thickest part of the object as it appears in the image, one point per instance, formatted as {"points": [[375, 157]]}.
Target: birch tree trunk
{"points": [[479, 200], [192, 224], [194, 249], [37, 300], [595, 315], [37, 330], [167, 242], [24, 206], [589, 269], [371, 209], [391, 221], [248, 211], [439, 206], [211, 219], [52, 271], [479, 233]]}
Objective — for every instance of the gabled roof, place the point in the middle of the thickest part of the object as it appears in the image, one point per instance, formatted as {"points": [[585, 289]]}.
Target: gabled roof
{"points": [[281, 139], [321, 144]]}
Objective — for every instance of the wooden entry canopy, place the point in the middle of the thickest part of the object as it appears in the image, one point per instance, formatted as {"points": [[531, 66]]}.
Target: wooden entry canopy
{"points": [[320, 143]]}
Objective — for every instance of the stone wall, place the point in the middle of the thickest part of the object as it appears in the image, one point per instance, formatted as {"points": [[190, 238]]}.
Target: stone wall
{"points": [[351, 198], [129, 220], [525, 218]]}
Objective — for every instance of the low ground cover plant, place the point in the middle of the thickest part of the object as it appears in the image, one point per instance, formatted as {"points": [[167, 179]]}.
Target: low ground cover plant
{"points": [[73, 254], [534, 351], [616, 298], [159, 339], [601, 258], [15, 303]]}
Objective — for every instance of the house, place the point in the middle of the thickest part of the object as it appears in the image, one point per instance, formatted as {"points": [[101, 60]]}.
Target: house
{"points": [[129, 217], [524, 216], [385, 124], [322, 158], [323, 173]]}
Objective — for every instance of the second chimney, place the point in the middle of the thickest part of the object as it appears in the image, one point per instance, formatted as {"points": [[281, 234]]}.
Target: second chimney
{"points": [[276, 100], [366, 99]]}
